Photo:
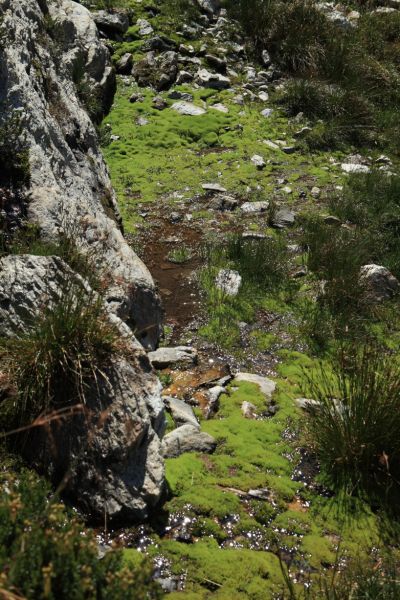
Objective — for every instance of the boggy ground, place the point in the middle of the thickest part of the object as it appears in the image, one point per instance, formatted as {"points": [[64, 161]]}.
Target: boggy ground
{"points": [[236, 519]]}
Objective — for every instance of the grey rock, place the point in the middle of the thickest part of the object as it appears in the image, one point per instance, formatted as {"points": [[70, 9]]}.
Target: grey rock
{"points": [[210, 7], [258, 161], [283, 218], [144, 27], [135, 97], [188, 108], [306, 403], [267, 386], [228, 281], [181, 412], [112, 450], [380, 282], [70, 188], [159, 103], [266, 58], [250, 208], [213, 396], [354, 168], [159, 72], [176, 95], [159, 43], [315, 192], [142, 121], [178, 356], [267, 112], [220, 107], [332, 220], [111, 23], [212, 80], [289, 149], [248, 410], [224, 202], [213, 187], [184, 77], [219, 64], [124, 64], [187, 439], [263, 96]]}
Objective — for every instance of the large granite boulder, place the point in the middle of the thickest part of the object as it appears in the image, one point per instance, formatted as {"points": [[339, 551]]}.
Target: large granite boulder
{"points": [[108, 454], [52, 65]]}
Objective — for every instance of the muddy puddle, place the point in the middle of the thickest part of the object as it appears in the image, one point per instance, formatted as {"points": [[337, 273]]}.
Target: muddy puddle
{"points": [[172, 255]]}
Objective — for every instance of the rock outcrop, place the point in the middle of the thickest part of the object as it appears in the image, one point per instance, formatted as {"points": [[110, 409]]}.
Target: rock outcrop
{"points": [[109, 453], [55, 69]]}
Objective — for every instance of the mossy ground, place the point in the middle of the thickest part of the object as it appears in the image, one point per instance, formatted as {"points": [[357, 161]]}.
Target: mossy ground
{"points": [[236, 540]]}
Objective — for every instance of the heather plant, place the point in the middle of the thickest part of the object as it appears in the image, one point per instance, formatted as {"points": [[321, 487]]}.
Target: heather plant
{"points": [[45, 552]]}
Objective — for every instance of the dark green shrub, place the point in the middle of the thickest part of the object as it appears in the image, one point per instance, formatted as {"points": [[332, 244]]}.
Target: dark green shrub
{"points": [[294, 31], [53, 363], [354, 427], [45, 553]]}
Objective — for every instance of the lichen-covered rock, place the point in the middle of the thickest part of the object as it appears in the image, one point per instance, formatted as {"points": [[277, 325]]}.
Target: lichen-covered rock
{"points": [[110, 452], [53, 69], [173, 356], [381, 284]]}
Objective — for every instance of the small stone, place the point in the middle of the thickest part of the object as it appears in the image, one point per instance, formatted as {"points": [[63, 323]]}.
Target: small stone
{"points": [[315, 192], [267, 386], [184, 77], [283, 218], [302, 132], [213, 187], [267, 112], [287, 190], [213, 395], [228, 281], [187, 438], [289, 149], [258, 161], [266, 58], [136, 98], [181, 412], [248, 410], [124, 65], [354, 168], [271, 144], [166, 357], [255, 207], [176, 95], [141, 121], [263, 96], [220, 107], [144, 27], [381, 283], [159, 103]]}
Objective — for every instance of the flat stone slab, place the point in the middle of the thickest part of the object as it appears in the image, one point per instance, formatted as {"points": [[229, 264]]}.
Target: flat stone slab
{"points": [[255, 207], [267, 386], [166, 357], [187, 439], [188, 108], [353, 168], [213, 187]]}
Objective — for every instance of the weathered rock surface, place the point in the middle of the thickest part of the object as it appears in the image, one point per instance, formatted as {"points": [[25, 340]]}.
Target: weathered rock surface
{"points": [[228, 281], [187, 439], [178, 356], [111, 449], [111, 22], [70, 189], [255, 207], [181, 412], [188, 108], [159, 72], [381, 284]]}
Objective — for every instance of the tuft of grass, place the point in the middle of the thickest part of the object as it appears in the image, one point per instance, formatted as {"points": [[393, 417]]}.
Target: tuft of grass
{"points": [[54, 363], [14, 154], [180, 255], [354, 427]]}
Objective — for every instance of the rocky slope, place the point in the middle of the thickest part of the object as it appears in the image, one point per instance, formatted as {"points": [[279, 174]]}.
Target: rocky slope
{"points": [[54, 71], [52, 62]]}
